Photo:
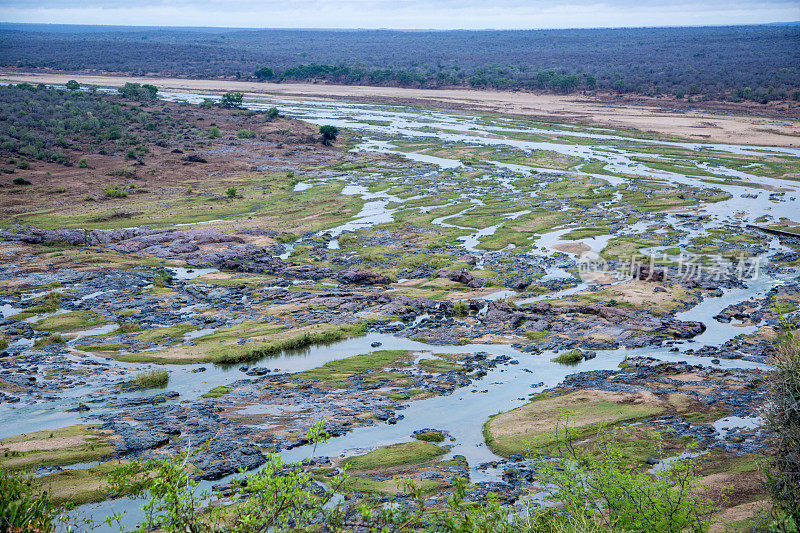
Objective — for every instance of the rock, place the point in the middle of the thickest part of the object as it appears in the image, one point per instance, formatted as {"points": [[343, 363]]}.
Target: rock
{"points": [[362, 277], [646, 273]]}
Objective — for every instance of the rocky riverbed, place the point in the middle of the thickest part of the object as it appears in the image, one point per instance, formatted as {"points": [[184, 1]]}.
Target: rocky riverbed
{"points": [[429, 272]]}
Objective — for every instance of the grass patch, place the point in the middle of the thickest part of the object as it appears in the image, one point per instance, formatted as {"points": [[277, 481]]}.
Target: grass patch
{"points": [[64, 446], [389, 486], [216, 392], [438, 366], [151, 379], [430, 436], [342, 369], [53, 338], [396, 455], [532, 425], [72, 321], [568, 358], [78, 486]]}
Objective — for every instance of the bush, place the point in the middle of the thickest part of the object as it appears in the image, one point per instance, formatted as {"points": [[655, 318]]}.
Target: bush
{"points": [[782, 416], [83, 163], [151, 378], [264, 73], [273, 113], [329, 134], [245, 134], [461, 307], [115, 191], [72, 85], [136, 91], [231, 100], [23, 506], [20, 181], [214, 132], [162, 278], [568, 358], [599, 484]]}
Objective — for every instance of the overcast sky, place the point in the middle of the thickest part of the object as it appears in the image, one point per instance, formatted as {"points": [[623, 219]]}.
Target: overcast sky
{"points": [[421, 14]]}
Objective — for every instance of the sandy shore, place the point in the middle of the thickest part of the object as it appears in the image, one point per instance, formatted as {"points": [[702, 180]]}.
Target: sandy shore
{"points": [[693, 125]]}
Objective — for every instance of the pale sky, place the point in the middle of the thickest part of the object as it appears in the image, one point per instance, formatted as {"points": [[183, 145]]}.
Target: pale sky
{"points": [[401, 14]]}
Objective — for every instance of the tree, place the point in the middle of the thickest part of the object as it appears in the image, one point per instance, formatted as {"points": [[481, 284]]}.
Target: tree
{"points": [[137, 91], [264, 73], [231, 100], [73, 85], [329, 134]]}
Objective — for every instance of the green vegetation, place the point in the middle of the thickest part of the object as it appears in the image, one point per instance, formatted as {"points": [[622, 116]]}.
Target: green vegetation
{"points": [[342, 369], [568, 358], [782, 416], [23, 505], [136, 91], [162, 278], [531, 426], [601, 486], [52, 338], [231, 354], [71, 321], [430, 436], [396, 455], [151, 379], [329, 134], [64, 446], [216, 392]]}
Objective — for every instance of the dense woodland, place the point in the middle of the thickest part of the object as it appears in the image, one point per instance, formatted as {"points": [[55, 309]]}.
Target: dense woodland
{"points": [[760, 63]]}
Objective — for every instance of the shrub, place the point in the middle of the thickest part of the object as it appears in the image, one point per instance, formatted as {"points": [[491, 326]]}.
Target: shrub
{"points": [[136, 91], [162, 278], [460, 307], [286, 237], [782, 416], [115, 191], [23, 506], [598, 483], [273, 113], [264, 73], [231, 100], [72, 85], [82, 163], [568, 358], [214, 132], [151, 378], [245, 134], [20, 181], [53, 338], [329, 134], [230, 192]]}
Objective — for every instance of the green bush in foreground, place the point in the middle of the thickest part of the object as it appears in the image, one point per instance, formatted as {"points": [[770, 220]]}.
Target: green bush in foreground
{"points": [[599, 483], [23, 506], [151, 378], [782, 416], [595, 488]]}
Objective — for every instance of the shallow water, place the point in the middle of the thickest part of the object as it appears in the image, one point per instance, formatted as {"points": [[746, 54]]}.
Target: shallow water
{"points": [[463, 413]]}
